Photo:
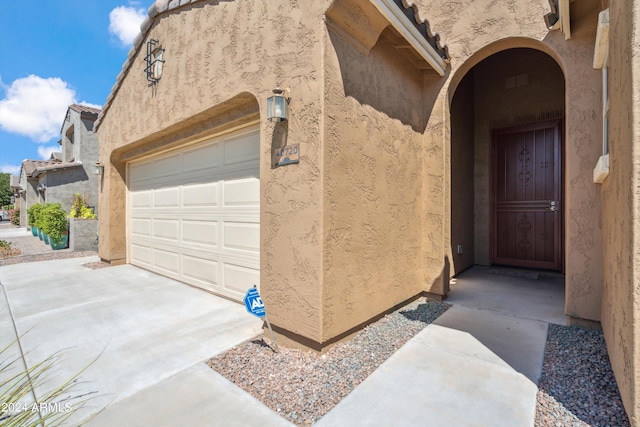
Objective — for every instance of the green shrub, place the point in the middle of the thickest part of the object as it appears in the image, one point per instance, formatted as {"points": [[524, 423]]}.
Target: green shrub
{"points": [[80, 208], [54, 221], [33, 214]]}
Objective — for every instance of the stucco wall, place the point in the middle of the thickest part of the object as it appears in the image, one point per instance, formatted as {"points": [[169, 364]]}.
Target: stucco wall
{"points": [[621, 212], [63, 184], [86, 149], [216, 51], [475, 30], [462, 175], [374, 119], [83, 234]]}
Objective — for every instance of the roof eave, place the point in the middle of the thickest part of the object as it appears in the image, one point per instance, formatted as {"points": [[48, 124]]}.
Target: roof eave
{"points": [[401, 23]]}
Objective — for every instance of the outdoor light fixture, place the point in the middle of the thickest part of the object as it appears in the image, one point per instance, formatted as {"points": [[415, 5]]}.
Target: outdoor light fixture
{"points": [[98, 169], [154, 61], [42, 188], [278, 106]]}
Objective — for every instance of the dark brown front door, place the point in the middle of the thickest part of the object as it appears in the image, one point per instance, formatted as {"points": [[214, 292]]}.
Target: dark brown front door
{"points": [[526, 196]]}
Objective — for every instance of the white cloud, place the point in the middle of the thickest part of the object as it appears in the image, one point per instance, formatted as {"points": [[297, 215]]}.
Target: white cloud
{"points": [[13, 170], [124, 23], [45, 151], [88, 104], [35, 107]]}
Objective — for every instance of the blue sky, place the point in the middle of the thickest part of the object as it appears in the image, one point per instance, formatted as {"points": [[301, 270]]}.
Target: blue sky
{"points": [[54, 53]]}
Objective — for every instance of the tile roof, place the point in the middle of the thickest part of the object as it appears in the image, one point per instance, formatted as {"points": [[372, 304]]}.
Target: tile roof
{"points": [[55, 167], [30, 166], [410, 10], [34, 168], [85, 109]]}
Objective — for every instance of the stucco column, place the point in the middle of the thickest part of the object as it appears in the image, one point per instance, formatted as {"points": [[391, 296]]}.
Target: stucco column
{"points": [[436, 218], [583, 146], [112, 213]]}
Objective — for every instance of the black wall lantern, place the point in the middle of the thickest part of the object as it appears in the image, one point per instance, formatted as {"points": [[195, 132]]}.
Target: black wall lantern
{"points": [[154, 60]]}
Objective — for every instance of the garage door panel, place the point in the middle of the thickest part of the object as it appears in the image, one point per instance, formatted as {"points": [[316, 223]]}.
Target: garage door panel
{"points": [[201, 269], [141, 199], [238, 279], [141, 227], [141, 255], [242, 192], [242, 235], [166, 229], [166, 260], [195, 214], [241, 149], [200, 195], [167, 166], [201, 159], [200, 232], [143, 173], [166, 198]]}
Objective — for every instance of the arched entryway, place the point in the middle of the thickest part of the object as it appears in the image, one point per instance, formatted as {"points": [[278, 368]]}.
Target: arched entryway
{"points": [[506, 162]]}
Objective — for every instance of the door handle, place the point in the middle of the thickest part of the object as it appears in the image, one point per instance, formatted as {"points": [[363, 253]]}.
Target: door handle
{"points": [[553, 206]]}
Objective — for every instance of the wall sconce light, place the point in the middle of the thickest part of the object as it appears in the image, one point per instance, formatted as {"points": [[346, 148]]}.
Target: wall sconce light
{"points": [[154, 61], [278, 105], [42, 188], [98, 169]]}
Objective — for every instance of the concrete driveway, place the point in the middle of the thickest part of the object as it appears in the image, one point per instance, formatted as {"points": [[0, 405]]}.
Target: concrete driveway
{"points": [[142, 335]]}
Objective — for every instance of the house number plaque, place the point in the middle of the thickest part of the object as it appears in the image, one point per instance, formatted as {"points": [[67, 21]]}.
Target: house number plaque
{"points": [[288, 155]]}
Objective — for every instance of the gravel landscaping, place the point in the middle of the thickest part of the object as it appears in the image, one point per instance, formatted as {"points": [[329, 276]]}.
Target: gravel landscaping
{"points": [[303, 386], [577, 387]]}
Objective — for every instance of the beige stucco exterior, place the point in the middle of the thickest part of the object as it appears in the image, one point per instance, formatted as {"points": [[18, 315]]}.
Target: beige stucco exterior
{"points": [[372, 214], [621, 210]]}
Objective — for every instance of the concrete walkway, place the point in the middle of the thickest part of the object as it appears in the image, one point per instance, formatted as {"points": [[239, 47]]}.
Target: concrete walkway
{"points": [[23, 240], [477, 365], [136, 331]]}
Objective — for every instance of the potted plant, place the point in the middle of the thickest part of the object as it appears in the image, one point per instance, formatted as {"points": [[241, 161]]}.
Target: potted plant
{"points": [[40, 223], [54, 224], [80, 208], [32, 216], [83, 225]]}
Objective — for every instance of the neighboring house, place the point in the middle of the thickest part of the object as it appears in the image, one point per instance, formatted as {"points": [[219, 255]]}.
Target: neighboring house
{"points": [[416, 161], [14, 184], [67, 172]]}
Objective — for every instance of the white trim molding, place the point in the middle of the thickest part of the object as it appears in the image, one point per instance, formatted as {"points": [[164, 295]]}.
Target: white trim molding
{"points": [[602, 40], [403, 25]]}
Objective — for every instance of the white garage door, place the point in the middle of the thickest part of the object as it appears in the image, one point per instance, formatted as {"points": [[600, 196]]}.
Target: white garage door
{"points": [[194, 214]]}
